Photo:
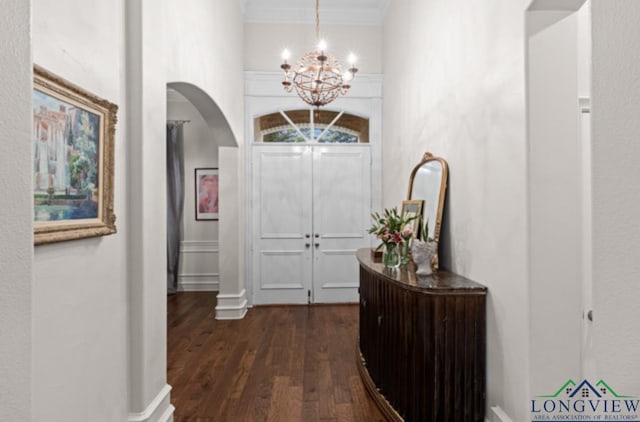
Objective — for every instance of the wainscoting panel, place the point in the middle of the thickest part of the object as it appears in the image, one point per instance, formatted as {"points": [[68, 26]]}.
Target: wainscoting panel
{"points": [[199, 267]]}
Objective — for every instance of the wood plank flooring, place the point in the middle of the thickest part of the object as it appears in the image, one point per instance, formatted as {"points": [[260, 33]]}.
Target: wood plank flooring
{"points": [[278, 364]]}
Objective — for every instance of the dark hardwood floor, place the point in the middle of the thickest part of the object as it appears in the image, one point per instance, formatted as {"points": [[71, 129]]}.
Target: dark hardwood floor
{"points": [[278, 364]]}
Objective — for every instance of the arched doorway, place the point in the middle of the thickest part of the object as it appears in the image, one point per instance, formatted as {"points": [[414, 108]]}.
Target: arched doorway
{"points": [[231, 297], [196, 267]]}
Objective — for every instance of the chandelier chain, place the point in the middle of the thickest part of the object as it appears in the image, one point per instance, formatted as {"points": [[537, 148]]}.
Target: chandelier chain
{"points": [[317, 20]]}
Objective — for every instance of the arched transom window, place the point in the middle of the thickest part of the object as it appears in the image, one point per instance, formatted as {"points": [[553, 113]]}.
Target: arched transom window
{"points": [[321, 126]]}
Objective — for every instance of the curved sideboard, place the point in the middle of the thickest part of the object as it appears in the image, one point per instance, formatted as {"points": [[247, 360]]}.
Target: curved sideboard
{"points": [[422, 346]]}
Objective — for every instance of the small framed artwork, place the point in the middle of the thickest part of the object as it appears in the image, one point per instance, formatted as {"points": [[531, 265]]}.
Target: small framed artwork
{"points": [[73, 146], [412, 208], [206, 193]]}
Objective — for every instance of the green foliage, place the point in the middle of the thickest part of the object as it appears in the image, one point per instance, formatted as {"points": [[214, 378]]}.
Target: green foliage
{"points": [[83, 163], [86, 142], [338, 137], [285, 135], [391, 227], [79, 171], [424, 232], [291, 135]]}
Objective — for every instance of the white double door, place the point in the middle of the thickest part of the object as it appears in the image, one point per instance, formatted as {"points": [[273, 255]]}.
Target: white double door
{"points": [[311, 211]]}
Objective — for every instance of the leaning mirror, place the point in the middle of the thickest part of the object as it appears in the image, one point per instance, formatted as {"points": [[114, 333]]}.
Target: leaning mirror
{"points": [[428, 182]]}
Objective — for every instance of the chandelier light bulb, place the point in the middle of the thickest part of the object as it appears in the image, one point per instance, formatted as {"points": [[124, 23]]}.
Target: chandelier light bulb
{"points": [[322, 45], [352, 59], [286, 54]]}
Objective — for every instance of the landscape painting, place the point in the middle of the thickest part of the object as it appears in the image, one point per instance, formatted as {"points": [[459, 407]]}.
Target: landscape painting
{"points": [[66, 161], [73, 161]]}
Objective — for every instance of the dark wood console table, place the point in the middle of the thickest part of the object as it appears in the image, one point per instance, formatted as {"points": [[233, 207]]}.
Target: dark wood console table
{"points": [[422, 345]]}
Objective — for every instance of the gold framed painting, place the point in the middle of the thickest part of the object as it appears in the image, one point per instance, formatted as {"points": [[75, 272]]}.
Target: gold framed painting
{"points": [[73, 163], [412, 208]]}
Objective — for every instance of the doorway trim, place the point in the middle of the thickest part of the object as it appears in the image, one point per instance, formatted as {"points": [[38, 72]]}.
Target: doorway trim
{"points": [[556, 170], [264, 94]]}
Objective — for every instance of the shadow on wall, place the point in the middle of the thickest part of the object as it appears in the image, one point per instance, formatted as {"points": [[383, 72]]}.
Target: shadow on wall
{"points": [[210, 112]]}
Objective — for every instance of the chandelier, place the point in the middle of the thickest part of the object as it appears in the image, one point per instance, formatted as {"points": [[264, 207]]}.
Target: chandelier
{"points": [[317, 76]]}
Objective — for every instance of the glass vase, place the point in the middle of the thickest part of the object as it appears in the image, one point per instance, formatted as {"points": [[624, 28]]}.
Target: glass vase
{"points": [[404, 252], [391, 255]]}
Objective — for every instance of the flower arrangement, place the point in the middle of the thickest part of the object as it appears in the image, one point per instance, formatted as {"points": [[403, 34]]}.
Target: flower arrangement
{"points": [[391, 227], [394, 232]]}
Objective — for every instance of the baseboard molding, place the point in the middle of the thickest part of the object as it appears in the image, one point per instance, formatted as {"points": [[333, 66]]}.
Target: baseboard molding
{"points": [[199, 282], [159, 410], [231, 306], [496, 414]]}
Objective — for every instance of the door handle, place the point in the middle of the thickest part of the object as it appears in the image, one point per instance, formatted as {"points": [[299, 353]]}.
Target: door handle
{"points": [[307, 245], [317, 245], [316, 235], [307, 235]]}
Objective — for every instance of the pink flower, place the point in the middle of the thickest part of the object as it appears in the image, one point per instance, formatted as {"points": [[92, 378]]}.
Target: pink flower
{"points": [[396, 237], [407, 233]]}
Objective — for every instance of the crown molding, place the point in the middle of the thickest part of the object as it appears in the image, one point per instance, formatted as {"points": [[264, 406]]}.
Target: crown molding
{"points": [[260, 13]]}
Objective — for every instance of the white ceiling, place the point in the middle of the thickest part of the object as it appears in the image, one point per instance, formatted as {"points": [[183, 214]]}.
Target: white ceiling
{"points": [[354, 12]]}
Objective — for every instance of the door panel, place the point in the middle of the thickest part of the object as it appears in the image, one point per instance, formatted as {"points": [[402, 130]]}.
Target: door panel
{"points": [[282, 221], [342, 205], [300, 248]]}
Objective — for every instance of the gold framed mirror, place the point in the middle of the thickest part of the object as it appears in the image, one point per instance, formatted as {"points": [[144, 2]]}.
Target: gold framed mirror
{"points": [[428, 182]]}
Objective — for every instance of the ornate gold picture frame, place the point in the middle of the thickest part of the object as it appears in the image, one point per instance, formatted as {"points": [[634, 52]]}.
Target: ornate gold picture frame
{"points": [[73, 162]]}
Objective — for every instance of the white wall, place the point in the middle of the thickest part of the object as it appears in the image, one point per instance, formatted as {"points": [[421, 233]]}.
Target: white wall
{"points": [[16, 214], [616, 183], [555, 199], [232, 300], [264, 43], [146, 205], [199, 268], [200, 150], [584, 50], [206, 51], [454, 86], [80, 287], [99, 328]]}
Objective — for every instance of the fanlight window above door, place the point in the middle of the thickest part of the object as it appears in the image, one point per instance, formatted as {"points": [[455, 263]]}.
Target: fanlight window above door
{"points": [[315, 126]]}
